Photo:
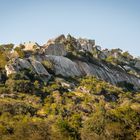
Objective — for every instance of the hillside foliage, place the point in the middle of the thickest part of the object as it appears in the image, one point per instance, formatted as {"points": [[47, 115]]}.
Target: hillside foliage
{"points": [[93, 109], [66, 108]]}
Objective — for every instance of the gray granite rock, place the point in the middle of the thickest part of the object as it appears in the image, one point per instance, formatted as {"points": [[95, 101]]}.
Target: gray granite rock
{"points": [[137, 65], [55, 49], [64, 66]]}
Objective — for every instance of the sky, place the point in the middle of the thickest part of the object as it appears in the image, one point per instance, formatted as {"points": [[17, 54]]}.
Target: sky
{"points": [[112, 23]]}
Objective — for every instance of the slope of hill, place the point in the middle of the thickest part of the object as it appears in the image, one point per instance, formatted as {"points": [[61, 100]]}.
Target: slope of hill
{"points": [[68, 89]]}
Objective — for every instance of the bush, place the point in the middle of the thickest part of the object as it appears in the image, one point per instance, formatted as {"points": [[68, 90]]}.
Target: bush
{"points": [[125, 85], [30, 131], [114, 130], [96, 123], [3, 90], [66, 130], [20, 52], [24, 86], [48, 65], [16, 108], [3, 60]]}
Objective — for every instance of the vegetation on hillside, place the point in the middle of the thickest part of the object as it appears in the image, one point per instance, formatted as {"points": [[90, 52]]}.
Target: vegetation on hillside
{"points": [[83, 108], [90, 109]]}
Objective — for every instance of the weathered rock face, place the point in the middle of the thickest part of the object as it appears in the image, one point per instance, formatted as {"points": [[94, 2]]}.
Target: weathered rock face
{"points": [[21, 64], [66, 67], [56, 46], [10, 69], [31, 46], [83, 63], [59, 45], [137, 65], [86, 44], [39, 68], [103, 72], [56, 49], [16, 65]]}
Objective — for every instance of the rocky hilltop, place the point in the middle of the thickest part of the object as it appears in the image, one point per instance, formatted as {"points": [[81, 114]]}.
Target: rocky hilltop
{"points": [[68, 89], [71, 57]]}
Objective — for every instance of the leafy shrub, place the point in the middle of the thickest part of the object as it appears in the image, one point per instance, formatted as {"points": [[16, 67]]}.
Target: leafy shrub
{"points": [[127, 86], [30, 131], [3, 60], [48, 65], [66, 130], [20, 52], [19, 86], [15, 108], [73, 115], [3, 90]]}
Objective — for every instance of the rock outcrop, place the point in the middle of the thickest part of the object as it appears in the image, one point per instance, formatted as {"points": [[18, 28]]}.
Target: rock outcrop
{"points": [[31, 46], [23, 64], [16, 65], [29, 64], [60, 46], [87, 45], [137, 65], [65, 67], [10, 69], [55, 49], [86, 58], [39, 68]]}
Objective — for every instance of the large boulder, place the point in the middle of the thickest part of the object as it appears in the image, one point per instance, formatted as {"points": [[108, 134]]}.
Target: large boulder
{"points": [[10, 69], [39, 68], [20, 64], [55, 49], [68, 68], [24, 64], [56, 46], [17, 64], [87, 45], [30, 46], [60, 46], [137, 65], [64, 66]]}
